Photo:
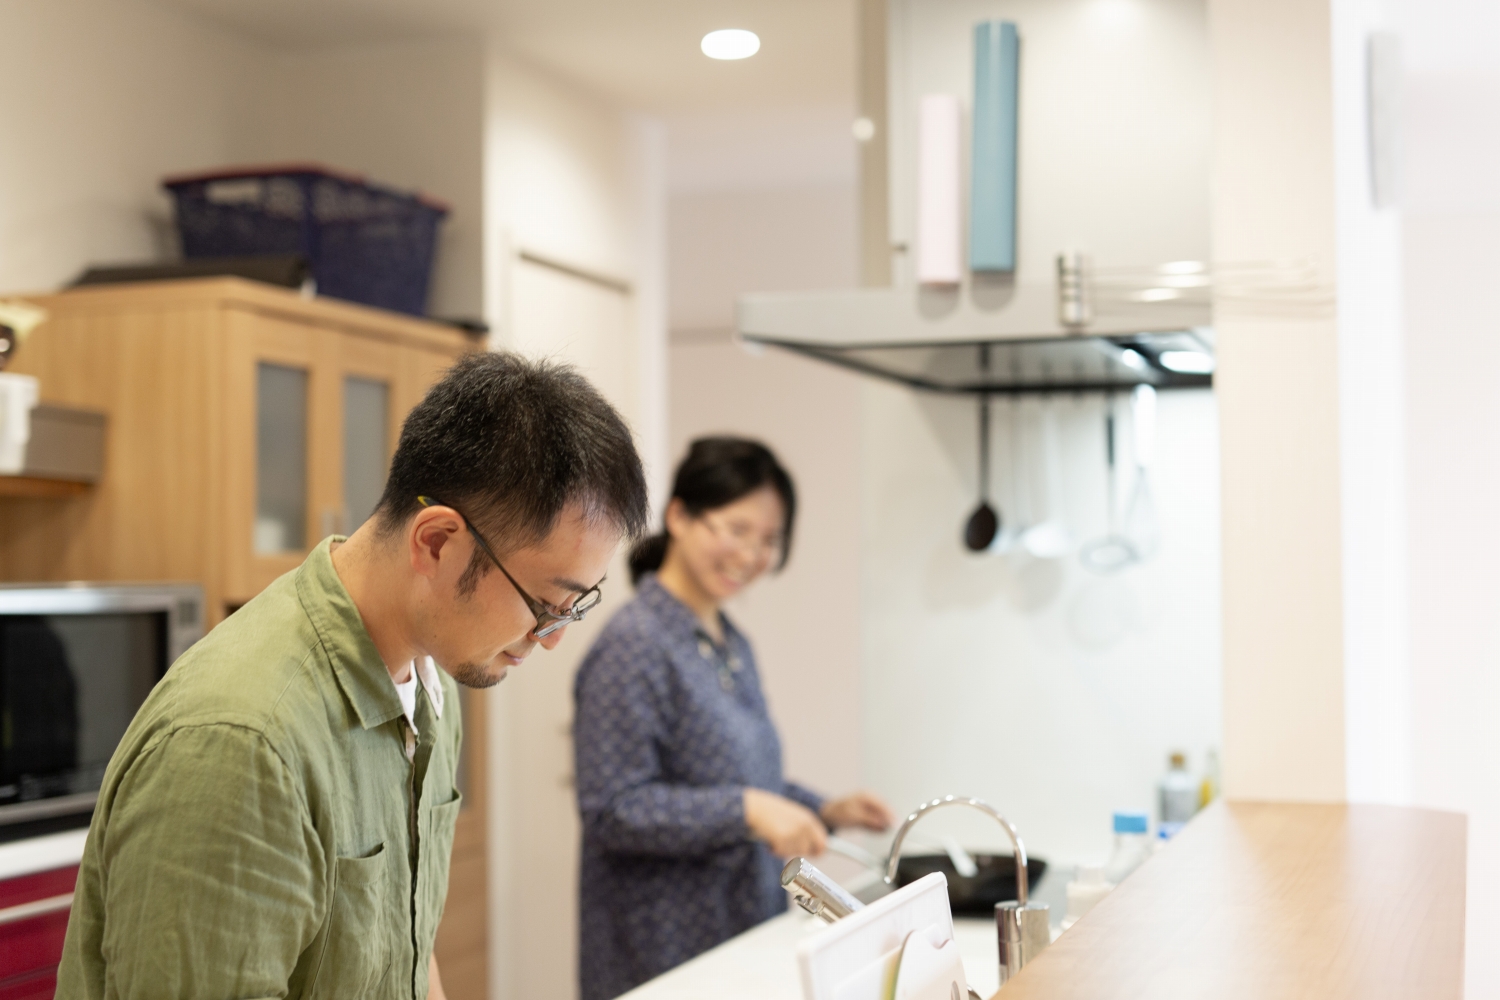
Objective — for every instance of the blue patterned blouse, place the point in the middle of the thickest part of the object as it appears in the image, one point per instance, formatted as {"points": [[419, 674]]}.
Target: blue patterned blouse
{"points": [[668, 731]]}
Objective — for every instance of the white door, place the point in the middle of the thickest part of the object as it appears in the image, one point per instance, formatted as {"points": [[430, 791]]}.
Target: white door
{"points": [[589, 324]]}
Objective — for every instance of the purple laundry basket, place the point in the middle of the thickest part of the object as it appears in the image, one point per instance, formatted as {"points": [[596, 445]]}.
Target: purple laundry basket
{"points": [[364, 243]]}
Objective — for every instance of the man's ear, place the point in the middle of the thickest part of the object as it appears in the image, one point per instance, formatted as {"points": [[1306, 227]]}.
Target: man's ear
{"points": [[431, 538]]}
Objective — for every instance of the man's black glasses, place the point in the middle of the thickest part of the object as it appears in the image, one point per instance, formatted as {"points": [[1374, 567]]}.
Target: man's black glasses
{"points": [[548, 619]]}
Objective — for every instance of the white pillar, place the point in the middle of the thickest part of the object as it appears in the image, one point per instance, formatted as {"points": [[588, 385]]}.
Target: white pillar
{"points": [[1317, 683], [1278, 382], [1372, 400]]}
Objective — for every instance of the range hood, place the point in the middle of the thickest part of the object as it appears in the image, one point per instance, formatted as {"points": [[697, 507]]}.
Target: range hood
{"points": [[990, 338]]}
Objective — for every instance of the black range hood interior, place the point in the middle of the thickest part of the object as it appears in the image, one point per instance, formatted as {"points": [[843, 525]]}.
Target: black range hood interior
{"points": [[1025, 366], [960, 343]]}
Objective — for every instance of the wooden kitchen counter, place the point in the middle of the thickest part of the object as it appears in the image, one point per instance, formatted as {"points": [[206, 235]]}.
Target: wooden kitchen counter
{"points": [[1274, 902]]}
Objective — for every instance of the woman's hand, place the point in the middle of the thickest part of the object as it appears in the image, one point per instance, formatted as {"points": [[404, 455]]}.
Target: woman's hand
{"points": [[789, 830], [864, 809]]}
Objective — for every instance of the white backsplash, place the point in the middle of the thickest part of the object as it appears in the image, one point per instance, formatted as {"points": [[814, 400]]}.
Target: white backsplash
{"points": [[1052, 692]]}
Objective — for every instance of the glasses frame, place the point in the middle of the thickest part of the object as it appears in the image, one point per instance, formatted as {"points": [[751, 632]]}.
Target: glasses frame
{"points": [[547, 620]]}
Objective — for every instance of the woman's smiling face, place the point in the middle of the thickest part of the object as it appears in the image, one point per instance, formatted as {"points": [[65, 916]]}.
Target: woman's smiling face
{"points": [[728, 547]]}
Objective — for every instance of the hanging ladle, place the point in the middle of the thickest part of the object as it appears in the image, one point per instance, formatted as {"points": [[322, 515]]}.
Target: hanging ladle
{"points": [[984, 523], [1114, 551]]}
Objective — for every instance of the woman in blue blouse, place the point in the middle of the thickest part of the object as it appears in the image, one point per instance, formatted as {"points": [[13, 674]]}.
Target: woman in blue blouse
{"points": [[685, 809]]}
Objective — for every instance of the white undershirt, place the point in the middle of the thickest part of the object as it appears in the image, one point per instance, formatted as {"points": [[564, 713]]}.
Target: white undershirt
{"points": [[407, 692], [425, 671]]}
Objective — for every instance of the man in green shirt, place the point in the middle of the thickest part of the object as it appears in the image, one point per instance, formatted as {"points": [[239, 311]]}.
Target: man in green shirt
{"points": [[278, 818]]}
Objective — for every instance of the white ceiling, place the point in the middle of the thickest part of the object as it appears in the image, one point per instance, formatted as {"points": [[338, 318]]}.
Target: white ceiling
{"points": [[640, 54]]}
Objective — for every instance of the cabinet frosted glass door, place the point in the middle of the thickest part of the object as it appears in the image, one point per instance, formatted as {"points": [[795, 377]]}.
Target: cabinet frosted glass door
{"points": [[367, 406], [280, 459]]}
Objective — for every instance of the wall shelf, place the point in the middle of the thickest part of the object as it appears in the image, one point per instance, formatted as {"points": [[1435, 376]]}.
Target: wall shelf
{"points": [[37, 488]]}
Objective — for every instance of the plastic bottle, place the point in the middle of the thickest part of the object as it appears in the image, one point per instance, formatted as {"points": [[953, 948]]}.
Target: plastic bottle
{"points": [[1208, 788], [1177, 795], [1132, 846], [1084, 892]]}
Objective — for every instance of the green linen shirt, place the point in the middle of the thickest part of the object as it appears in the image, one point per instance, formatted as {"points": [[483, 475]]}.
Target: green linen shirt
{"points": [[260, 831]]}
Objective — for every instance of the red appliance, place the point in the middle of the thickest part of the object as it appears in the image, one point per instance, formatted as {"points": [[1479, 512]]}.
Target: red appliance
{"points": [[33, 920]]}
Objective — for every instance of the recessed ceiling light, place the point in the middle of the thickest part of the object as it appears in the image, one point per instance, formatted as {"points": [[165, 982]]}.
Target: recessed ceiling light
{"points": [[731, 43]]}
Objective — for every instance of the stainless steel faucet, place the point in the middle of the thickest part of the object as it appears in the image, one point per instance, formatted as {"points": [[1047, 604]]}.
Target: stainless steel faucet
{"points": [[817, 893], [1023, 926]]}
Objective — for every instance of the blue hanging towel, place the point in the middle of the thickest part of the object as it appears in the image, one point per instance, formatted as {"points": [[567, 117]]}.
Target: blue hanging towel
{"points": [[992, 202]]}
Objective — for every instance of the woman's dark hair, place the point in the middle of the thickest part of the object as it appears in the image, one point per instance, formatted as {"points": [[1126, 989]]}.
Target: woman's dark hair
{"points": [[510, 442], [716, 472]]}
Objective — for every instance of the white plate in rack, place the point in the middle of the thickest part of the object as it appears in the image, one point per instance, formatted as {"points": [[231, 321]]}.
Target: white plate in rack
{"points": [[858, 957]]}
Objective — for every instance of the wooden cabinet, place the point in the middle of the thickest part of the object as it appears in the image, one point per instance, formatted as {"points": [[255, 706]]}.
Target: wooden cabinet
{"points": [[179, 369], [245, 424], [302, 469]]}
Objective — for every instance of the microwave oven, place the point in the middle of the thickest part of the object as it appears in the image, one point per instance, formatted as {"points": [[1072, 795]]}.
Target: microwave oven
{"points": [[76, 662]]}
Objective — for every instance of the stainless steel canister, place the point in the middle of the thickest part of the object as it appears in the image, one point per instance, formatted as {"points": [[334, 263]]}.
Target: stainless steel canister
{"points": [[1023, 931]]}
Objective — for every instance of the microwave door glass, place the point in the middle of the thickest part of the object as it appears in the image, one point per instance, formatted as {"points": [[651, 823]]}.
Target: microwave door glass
{"points": [[69, 686]]}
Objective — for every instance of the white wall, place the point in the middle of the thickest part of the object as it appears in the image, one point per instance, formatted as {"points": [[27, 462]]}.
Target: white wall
{"points": [[766, 200], [1411, 368], [573, 179], [1372, 440], [1450, 208], [99, 99], [1051, 692], [1283, 604], [1055, 694], [804, 622], [106, 98], [1452, 491], [763, 149], [554, 158], [1115, 114], [409, 115], [728, 242], [648, 168]]}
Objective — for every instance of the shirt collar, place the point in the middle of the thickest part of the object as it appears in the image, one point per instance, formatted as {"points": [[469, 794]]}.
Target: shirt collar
{"points": [[424, 670], [427, 673], [356, 663]]}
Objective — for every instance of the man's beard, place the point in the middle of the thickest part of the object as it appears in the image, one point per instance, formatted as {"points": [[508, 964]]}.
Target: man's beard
{"points": [[476, 675]]}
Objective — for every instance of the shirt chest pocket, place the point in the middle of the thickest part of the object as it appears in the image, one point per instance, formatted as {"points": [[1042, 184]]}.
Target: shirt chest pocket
{"points": [[358, 954]]}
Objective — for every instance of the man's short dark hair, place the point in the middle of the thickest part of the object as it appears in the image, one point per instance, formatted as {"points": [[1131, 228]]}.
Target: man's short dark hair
{"points": [[510, 442]]}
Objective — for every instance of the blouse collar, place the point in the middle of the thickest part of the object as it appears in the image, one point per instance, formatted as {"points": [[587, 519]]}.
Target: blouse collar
{"points": [[676, 616]]}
